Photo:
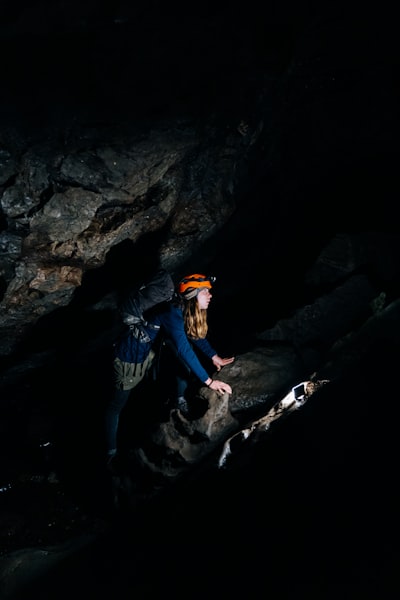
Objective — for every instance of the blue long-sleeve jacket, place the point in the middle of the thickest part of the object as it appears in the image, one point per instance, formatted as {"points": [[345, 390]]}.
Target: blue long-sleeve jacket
{"points": [[172, 325], [170, 321], [131, 349]]}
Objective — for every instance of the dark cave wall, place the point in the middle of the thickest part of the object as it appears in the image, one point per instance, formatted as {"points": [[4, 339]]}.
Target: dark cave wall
{"points": [[305, 95], [315, 87]]}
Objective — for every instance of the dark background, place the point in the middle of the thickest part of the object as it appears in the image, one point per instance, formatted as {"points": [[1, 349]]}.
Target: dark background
{"points": [[314, 512]]}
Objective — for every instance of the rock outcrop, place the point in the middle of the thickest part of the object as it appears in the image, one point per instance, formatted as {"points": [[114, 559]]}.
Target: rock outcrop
{"points": [[265, 155]]}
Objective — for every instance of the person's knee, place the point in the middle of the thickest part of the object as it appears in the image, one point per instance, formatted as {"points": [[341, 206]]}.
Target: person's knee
{"points": [[118, 400]]}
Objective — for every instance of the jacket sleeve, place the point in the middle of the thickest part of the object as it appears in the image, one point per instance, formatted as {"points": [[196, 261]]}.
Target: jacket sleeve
{"points": [[174, 329], [205, 347]]}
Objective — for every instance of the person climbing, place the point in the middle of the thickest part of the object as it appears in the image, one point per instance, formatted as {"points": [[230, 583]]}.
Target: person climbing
{"points": [[133, 353], [184, 325]]}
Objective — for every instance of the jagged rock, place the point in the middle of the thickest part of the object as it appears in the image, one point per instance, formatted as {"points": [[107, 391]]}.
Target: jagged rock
{"points": [[330, 316], [180, 443], [291, 149], [254, 430], [66, 208], [260, 375]]}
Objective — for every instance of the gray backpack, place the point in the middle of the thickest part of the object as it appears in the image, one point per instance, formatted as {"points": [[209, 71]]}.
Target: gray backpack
{"points": [[155, 290]]}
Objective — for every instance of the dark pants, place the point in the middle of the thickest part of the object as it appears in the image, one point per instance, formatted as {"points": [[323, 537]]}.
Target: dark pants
{"points": [[113, 411], [127, 376]]}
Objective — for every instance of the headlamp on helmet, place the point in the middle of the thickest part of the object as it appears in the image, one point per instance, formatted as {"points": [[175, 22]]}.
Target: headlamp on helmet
{"points": [[195, 281]]}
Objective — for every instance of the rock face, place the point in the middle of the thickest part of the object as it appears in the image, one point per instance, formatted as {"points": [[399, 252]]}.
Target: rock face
{"points": [[306, 345], [67, 208], [92, 178], [220, 433], [265, 158]]}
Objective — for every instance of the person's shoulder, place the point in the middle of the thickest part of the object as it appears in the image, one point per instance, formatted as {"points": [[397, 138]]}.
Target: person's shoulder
{"points": [[173, 308], [176, 305], [171, 312], [156, 311]]}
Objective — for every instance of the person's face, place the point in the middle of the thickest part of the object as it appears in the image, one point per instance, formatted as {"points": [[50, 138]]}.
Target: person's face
{"points": [[203, 298]]}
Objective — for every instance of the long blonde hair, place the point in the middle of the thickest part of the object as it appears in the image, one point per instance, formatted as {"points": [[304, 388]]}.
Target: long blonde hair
{"points": [[195, 319]]}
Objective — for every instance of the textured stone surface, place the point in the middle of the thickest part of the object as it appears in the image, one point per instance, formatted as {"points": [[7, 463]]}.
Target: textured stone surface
{"points": [[263, 146]]}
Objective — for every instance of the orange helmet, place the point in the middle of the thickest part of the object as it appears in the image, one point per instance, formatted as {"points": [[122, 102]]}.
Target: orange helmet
{"points": [[197, 280]]}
